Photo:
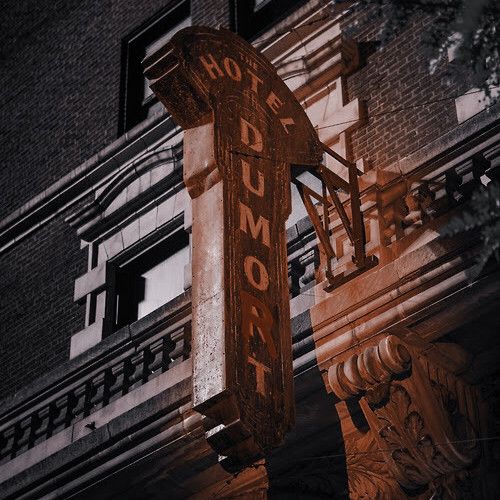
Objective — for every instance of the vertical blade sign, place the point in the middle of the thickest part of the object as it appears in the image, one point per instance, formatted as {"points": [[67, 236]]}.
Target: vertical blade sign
{"points": [[243, 130]]}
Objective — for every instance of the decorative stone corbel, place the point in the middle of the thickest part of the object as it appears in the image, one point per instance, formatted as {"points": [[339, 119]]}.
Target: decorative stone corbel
{"points": [[416, 424]]}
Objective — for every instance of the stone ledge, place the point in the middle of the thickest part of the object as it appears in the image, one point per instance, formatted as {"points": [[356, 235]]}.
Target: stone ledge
{"points": [[119, 434], [85, 339], [71, 187], [105, 350], [90, 281], [98, 419]]}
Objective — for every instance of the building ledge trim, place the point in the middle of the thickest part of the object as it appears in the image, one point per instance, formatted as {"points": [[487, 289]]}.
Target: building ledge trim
{"points": [[72, 187], [31, 394], [120, 435]]}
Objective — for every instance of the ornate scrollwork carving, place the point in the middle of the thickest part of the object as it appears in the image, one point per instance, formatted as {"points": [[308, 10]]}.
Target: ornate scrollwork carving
{"points": [[416, 451], [365, 371], [415, 421], [369, 475]]}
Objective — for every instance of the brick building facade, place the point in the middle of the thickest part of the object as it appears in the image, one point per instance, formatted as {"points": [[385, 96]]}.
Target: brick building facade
{"points": [[95, 370]]}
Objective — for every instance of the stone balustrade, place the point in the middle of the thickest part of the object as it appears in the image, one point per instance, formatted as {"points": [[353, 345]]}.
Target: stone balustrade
{"points": [[393, 207], [125, 361]]}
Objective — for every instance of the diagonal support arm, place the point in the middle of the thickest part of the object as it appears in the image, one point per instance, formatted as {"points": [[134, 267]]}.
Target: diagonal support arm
{"points": [[354, 227]]}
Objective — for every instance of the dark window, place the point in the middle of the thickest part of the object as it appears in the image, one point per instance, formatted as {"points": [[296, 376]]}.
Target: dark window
{"points": [[150, 279], [254, 17], [137, 100]]}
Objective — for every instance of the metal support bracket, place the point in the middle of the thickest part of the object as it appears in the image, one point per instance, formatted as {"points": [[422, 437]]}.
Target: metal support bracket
{"points": [[354, 228]]}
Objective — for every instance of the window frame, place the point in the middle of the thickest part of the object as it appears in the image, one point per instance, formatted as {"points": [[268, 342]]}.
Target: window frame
{"points": [[133, 108], [251, 20], [174, 230]]}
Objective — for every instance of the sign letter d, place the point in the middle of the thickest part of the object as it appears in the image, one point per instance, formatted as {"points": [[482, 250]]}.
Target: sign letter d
{"points": [[251, 136]]}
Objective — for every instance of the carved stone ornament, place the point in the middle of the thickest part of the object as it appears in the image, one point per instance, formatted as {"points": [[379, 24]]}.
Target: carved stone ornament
{"points": [[416, 431]]}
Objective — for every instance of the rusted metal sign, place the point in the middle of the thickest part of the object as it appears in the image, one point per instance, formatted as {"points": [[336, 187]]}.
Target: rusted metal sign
{"points": [[244, 130]]}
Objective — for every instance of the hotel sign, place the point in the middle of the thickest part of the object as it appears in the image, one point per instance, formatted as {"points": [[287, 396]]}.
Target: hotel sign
{"points": [[243, 131]]}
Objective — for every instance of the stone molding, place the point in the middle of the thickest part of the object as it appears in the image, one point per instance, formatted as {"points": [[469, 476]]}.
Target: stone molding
{"points": [[420, 427], [81, 181], [132, 341], [90, 219]]}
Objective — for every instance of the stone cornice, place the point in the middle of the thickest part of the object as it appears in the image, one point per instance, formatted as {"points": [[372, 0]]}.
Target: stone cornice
{"points": [[422, 284], [71, 188]]}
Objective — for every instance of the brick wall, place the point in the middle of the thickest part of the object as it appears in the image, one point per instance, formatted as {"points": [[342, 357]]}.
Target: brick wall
{"points": [[60, 84], [37, 311], [60, 64], [214, 13], [407, 107]]}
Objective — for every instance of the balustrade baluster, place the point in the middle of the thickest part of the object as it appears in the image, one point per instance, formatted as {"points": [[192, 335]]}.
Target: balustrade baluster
{"points": [[147, 361], [187, 340], [128, 372], [295, 272], [181, 350], [90, 392], [4, 444], [54, 413], [109, 381], [310, 260], [20, 440], [168, 347], [35, 424], [98, 384], [453, 186], [136, 377], [41, 433], [156, 353], [70, 407]]}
